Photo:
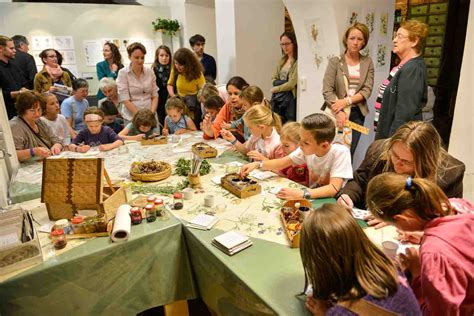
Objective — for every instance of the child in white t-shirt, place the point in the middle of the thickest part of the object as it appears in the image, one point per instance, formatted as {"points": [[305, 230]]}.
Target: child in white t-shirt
{"points": [[57, 122], [329, 165]]}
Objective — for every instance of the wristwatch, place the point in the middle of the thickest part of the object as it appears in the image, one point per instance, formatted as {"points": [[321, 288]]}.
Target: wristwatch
{"points": [[306, 194]]}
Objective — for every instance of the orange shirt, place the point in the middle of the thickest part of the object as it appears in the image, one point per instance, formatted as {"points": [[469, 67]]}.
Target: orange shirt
{"points": [[224, 116]]}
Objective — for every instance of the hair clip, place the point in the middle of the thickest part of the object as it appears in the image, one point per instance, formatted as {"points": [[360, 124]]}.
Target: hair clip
{"points": [[408, 183]]}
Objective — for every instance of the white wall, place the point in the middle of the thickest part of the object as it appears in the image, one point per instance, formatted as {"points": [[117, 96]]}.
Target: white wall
{"points": [[226, 39], [82, 21], [461, 144]]}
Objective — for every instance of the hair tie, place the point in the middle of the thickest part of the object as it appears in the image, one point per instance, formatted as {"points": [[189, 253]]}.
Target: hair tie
{"points": [[408, 183], [92, 117]]}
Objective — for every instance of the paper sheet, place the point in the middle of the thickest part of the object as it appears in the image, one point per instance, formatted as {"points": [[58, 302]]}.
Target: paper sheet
{"points": [[122, 224]]}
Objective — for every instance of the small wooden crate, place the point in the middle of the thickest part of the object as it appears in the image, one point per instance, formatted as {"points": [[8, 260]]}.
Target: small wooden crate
{"points": [[293, 235], [71, 184], [157, 140], [241, 187], [204, 150]]}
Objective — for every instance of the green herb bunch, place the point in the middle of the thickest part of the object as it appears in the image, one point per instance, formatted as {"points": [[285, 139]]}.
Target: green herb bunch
{"points": [[183, 167]]}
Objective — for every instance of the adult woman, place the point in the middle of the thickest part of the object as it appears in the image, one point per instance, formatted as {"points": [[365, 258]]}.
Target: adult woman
{"points": [[403, 94], [415, 150], [187, 77], [51, 74], [231, 110], [349, 79], [32, 137], [162, 68], [113, 107], [136, 85], [110, 66], [285, 79], [347, 270]]}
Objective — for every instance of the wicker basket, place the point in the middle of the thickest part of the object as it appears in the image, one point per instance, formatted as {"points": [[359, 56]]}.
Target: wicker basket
{"points": [[152, 177]]}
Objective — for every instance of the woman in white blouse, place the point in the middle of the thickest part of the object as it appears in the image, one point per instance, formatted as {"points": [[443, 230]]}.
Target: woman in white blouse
{"points": [[136, 84]]}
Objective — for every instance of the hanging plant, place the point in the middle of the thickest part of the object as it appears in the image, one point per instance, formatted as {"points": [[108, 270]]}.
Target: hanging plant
{"points": [[167, 26]]}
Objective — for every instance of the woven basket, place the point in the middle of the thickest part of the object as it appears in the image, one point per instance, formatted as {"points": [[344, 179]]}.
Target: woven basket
{"points": [[152, 177]]}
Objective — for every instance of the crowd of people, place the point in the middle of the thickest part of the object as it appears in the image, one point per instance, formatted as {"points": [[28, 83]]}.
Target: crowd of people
{"points": [[406, 179]]}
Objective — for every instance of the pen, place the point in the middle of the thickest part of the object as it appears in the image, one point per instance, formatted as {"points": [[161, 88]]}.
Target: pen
{"points": [[337, 192]]}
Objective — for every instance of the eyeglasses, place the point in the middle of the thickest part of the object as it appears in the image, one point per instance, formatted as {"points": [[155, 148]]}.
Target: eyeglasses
{"points": [[399, 36], [401, 161], [285, 44], [52, 56]]}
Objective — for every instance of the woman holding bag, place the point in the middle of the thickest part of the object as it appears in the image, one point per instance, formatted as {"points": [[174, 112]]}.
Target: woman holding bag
{"points": [[285, 79], [348, 81]]}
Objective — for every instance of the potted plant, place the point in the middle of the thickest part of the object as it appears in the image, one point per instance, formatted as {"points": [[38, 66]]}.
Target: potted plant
{"points": [[167, 26]]}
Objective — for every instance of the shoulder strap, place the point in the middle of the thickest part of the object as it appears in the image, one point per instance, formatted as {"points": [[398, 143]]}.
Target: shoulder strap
{"points": [[38, 137], [363, 307]]}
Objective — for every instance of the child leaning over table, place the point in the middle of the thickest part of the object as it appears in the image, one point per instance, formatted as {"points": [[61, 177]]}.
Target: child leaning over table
{"points": [[143, 125], [264, 142], [57, 122], [176, 122], [290, 139], [329, 164], [95, 134]]}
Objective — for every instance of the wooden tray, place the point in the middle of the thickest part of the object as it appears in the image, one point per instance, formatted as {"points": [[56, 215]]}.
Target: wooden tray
{"points": [[241, 187], [157, 140], [204, 150], [293, 236]]}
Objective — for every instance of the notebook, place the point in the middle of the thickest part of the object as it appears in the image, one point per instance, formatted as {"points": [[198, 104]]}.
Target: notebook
{"points": [[203, 221], [231, 242]]}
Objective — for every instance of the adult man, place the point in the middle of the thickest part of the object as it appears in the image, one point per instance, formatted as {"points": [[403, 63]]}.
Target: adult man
{"points": [[11, 79], [197, 43], [23, 60]]}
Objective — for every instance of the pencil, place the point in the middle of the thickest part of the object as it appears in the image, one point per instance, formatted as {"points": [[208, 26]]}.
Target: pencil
{"points": [[337, 192]]}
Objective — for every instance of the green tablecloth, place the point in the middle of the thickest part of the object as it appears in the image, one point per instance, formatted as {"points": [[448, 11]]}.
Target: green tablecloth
{"points": [[103, 278]]}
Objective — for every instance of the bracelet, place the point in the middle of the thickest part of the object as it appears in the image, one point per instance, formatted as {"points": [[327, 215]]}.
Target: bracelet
{"points": [[234, 141], [32, 152], [348, 101]]}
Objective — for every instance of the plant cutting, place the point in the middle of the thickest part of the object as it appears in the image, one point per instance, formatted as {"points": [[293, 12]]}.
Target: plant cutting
{"points": [[167, 26]]}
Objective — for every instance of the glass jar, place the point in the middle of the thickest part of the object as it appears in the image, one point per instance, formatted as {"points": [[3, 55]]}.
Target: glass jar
{"points": [[136, 215], [150, 213], [150, 199], [58, 238], [159, 207], [64, 225], [78, 225], [178, 201], [101, 223], [89, 225]]}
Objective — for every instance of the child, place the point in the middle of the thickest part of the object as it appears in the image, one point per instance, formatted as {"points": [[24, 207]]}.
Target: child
{"points": [[346, 269], [95, 134], [57, 122], [264, 142], [290, 138], [249, 96], [73, 107], [162, 69], [212, 106], [112, 117], [443, 271], [329, 164], [176, 122], [143, 125]]}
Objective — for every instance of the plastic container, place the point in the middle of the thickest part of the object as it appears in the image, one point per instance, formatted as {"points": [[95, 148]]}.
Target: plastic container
{"points": [[58, 238]]}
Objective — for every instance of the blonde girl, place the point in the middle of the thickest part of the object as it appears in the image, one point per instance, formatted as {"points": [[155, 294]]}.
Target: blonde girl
{"points": [[290, 139], [56, 121], [443, 268], [176, 122], [346, 269], [95, 134], [264, 126]]}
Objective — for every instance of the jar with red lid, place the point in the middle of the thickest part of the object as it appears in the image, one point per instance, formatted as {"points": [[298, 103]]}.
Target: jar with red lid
{"points": [[136, 215], [178, 201], [78, 225], [150, 213], [58, 238], [150, 199], [159, 206]]}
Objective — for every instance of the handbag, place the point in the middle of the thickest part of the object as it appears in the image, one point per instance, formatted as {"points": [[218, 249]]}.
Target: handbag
{"points": [[281, 100]]}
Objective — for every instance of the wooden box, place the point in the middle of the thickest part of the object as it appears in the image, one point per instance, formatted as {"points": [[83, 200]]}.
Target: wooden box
{"points": [[71, 184], [241, 187], [157, 140], [204, 150], [292, 224]]}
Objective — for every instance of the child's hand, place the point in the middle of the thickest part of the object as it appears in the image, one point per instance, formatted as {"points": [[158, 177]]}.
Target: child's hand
{"points": [[377, 223], [207, 122], [165, 132], [246, 169], [346, 202], [227, 135], [413, 237], [103, 147], [83, 148], [289, 194], [180, 131], [56, 149], [411, 261], [138, 137], [255, 155], [226, 126]]}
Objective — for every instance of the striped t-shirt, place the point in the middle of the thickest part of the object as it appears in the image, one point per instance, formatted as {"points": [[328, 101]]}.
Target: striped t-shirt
{"points": [[354, 78]]}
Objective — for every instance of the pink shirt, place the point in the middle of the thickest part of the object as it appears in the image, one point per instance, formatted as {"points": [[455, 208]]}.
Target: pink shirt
{"points": [[446, 281], [137, 90], [269, 146]]}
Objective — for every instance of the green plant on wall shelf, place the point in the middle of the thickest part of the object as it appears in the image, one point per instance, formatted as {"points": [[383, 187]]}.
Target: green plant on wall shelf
{"points": [[166, 26]]}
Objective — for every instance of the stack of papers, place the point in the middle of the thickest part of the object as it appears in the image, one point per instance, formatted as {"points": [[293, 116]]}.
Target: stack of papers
{"points": [[231, 242], [203, 221], [262, 175], [360, 214]]}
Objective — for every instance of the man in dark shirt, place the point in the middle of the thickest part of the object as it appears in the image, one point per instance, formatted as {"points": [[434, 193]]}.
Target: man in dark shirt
{"points": [[11, 79], [197, 43], [23, 60]]}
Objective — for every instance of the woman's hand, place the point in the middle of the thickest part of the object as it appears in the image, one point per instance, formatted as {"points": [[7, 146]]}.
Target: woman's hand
{"points": [[83, 148], [56, 149], [345, 201], [42, 152], [165, 132], [338, 105], [180, 131], [114, 68], [246, 169], [411, 261], [226, 126], [341, 118], [289, 194], [227, 135], [52, 89], [317, 307], [255, 155], [412, 237]]}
